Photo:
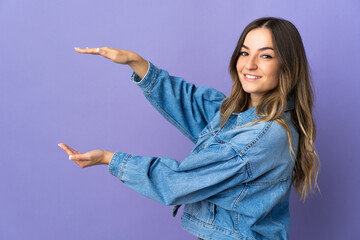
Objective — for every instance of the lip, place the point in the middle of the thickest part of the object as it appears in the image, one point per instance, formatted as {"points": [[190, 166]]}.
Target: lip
{"points": [[251, 79]]}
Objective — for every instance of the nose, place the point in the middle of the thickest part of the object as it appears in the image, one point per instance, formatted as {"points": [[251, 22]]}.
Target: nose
{"points": [[251, 63]]}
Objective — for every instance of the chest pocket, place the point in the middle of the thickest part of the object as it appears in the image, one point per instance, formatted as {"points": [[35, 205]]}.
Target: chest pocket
{"points": [[205, 138]]}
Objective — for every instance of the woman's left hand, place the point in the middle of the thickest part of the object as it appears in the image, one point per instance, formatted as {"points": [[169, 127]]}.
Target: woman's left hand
{"points": [[92, 158]]}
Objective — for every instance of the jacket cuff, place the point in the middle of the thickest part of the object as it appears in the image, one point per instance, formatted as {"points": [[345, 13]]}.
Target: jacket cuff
{"points": [[149, 79], [118, 163]]}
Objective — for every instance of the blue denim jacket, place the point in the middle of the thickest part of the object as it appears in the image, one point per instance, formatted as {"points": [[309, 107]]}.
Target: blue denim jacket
{"points": [[236, 182]]}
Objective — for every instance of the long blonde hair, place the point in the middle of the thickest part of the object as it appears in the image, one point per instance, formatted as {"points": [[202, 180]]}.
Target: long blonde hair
{"points": [[295, 81]]}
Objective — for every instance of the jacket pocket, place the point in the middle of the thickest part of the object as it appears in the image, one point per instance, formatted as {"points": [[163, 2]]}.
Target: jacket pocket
{"points": [[192, 208], [212, 213], [205, 139]]}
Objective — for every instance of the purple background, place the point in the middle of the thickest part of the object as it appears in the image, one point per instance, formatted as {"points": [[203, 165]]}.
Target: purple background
{"points": [[51, 94]]}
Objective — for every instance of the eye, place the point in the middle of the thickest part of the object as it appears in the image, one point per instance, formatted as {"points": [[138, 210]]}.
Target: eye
{"points": [[267, 56], [242, 53]]}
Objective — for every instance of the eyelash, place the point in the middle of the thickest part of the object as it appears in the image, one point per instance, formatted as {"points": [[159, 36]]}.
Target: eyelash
{"points": [[268, 56]]}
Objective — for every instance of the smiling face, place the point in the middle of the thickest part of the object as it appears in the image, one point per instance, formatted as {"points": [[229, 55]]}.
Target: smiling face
{"points": [[257, 66]]}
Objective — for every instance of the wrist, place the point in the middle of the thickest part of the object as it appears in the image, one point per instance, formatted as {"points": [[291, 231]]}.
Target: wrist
{"points": [[108, 157], [133, 58], [138, 64]]}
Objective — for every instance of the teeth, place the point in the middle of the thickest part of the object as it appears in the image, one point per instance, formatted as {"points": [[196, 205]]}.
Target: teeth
{"points": [[253, 77]]}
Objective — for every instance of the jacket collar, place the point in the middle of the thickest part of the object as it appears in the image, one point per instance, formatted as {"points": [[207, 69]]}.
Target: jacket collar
{"points": [[250, 113]]}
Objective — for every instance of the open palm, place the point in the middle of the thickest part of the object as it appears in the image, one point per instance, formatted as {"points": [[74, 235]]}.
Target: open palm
{"points": [[91, 158]]}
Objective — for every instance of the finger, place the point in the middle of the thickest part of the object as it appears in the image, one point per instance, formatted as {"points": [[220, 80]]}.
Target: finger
{"points": [[94, 51], [86, 50], [68, 149], [73, 150]]}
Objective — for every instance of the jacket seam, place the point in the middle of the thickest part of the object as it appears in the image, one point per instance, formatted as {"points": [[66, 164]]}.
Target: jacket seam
{"points": [[243, 119], [171, 119], [257, 138], [269, 182], [122, 171], [275, 222], [214, 136], [198, 221], [237, 201], [210, 130], [239, 198], [152, 84]]}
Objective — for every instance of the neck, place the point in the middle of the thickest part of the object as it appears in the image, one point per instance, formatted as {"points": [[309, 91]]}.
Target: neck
{"points": [[254, 100]]}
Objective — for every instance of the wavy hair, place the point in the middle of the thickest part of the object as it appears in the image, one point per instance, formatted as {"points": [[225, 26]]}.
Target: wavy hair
{"points": [[294, 81]]}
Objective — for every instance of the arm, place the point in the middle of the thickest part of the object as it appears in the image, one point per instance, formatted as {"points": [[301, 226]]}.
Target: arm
{"points": [[187, 107], [165, 180]]}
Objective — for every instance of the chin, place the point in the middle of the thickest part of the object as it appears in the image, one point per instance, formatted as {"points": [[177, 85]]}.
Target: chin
{"points": [[249, 90]]}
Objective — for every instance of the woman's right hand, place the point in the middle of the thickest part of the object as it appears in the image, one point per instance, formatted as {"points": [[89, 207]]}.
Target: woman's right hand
{"points": [[134, 60], [116, 55]]}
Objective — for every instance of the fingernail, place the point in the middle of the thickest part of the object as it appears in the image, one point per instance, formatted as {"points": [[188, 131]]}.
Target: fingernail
{"points": [[71, 157], [98, 50], [59, 145]]}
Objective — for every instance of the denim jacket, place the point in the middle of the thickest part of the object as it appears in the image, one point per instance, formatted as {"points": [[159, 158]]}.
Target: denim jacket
{"points": [[236, 182]]}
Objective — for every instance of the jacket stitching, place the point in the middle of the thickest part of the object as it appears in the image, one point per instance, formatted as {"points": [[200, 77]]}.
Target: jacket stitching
{"points": [[151, 86], [257, 138], [172, 120], [239, 198], [148, 89], [124, 166], [197, 209], [206, 131], [214, 135], [198, 221], [212, 216], [243, 119], [268, 182], [275, 222], [237, 201], [209, 131]]}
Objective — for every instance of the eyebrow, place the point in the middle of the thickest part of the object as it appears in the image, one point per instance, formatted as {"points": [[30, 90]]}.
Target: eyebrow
{"points": [[260, 49]]}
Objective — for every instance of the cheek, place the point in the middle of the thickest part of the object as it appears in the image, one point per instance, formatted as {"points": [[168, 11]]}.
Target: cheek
{"points": [[275, 74], [239, 67], [275, 80]]}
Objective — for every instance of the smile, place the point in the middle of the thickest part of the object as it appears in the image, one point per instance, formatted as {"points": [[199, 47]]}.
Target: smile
{"points": [[251, 76]]}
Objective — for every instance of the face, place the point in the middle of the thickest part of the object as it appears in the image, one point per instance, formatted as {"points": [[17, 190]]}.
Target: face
{"points": [[257, 66]]}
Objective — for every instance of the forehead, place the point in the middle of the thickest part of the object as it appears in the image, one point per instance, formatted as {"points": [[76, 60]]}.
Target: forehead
{"points": [[258, 38]]}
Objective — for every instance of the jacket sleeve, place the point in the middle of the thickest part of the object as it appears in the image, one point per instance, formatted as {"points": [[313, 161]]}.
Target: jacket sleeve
{"points": [[187, 107], [169, 182]]}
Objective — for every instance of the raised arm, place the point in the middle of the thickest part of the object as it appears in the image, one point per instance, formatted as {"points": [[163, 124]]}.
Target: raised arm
{"points": [[188, 107]]}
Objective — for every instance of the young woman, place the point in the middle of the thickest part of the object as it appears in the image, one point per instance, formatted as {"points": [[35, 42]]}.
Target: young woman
{"points": [[250, 146]]}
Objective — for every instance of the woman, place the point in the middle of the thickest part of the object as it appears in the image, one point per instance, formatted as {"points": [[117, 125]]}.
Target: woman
{"points": [[250, 146]]}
